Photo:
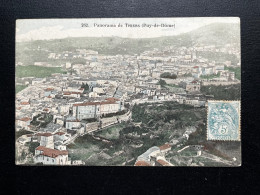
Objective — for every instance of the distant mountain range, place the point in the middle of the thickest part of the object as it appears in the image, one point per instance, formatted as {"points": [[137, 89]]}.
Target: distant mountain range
{"points": [[218, 34]]}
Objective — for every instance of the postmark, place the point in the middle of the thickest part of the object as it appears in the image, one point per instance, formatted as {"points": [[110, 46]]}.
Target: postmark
{"points": [[223, 120]]}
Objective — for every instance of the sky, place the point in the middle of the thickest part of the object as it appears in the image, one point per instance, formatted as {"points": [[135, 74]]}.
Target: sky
{"points": [[46, 29]]}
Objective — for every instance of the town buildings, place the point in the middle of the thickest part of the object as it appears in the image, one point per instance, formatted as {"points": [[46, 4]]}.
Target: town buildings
{"points": [[93, 93], [48, 156], [96, 109]]}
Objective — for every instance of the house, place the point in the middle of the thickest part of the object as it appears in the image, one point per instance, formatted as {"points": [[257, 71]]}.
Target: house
{"points": [[34, 138], [154, 157], [71, 94], [59, 136], [99, 90], [64, 109], [93, 94], [142, 163], [48, 91], [24, 139], [193, 86], [162, 162], [68, 65], [46, 140], [59, 121], [165, 148], [59, 146], [151, 152], [24, 122], [74, 87], [197, 148], [72, 122], [49, 156], [25, 104], [219, 67]]}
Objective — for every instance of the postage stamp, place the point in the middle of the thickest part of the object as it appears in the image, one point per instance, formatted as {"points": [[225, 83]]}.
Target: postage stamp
{"points": [[223, 120]]}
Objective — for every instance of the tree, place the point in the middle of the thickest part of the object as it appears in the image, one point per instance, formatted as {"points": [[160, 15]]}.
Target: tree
{"points": [[168, 75], [32, 147], [165, 75], [162, 82], [23, 156], [85, 87], [228, 92]]}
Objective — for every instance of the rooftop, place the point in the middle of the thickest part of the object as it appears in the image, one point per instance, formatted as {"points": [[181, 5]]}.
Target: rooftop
{"points": [[49, 89], [146, 156], [162, 162], [59, 133], [44, 134], [25, 119], [108, 101], [142, 163], [51, 152], [165, 146]]}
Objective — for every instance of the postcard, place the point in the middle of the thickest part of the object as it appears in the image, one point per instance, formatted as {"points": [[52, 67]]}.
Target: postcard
{"points": [[128, 92]]}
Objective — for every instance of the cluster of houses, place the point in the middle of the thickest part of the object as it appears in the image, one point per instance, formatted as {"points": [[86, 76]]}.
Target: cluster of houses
{"points": [[79, 53], [51, 149], [103, 85]]}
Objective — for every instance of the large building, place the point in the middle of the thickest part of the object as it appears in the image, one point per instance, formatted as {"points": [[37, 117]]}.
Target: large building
{"points": [[95, 109], [49, 156]]}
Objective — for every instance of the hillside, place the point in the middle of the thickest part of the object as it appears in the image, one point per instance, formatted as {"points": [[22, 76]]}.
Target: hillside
{"points": [[218, 34]]}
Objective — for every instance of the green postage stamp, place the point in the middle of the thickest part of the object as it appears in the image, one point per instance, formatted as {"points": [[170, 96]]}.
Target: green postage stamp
{"points": [[223, 120]]}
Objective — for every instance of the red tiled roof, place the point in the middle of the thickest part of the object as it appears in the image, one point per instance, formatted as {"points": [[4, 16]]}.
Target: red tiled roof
{"points": [[76, 120], [51, 152], [72, 92], [25, 103], [87, 104], [45, 109], [112, 99], [59, 133], [195, 67], [162, 162], [49, 89], [44, 134], [66, 93], [25, 119], [93, 103], [142, 163], [165, 146]]}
